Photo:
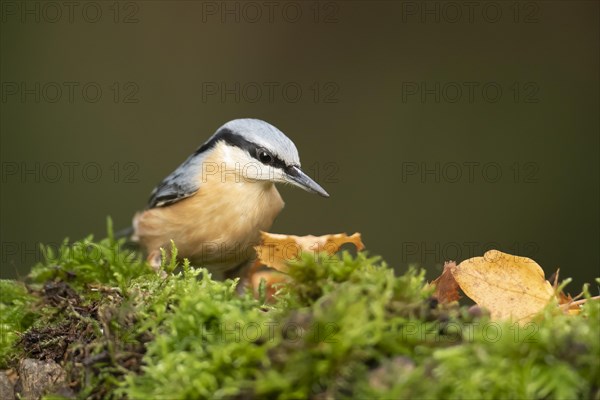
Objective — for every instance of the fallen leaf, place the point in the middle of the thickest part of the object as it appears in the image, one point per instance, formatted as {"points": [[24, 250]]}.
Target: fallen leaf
{"points": [[276, 250], [446, 288], [271, 279], [257, 272], [566, 302], [510, 287]]}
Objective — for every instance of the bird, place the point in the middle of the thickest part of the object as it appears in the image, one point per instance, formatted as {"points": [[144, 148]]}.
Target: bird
{"points": [[215, 204]]}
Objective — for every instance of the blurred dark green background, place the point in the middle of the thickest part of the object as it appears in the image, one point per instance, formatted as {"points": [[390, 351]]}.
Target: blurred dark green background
{"points": [[440, 129]]}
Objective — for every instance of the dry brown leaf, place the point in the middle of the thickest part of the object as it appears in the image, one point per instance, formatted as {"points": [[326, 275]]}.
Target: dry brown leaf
{"points": [[257, 272], [568, 304], [566, 301], [276, 250], [510, 287], [271, 278], [446, 288]]}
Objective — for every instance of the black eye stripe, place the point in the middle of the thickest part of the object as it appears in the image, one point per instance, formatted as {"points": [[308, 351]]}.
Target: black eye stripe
{"points": [[274, 162], [232, 139]]}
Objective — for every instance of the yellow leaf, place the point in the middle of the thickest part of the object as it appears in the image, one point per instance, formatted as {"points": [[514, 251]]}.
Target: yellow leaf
{"points": [[276, 250], [510, 287]]}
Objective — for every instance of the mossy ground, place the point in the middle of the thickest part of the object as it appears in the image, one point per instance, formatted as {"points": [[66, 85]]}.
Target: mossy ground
{"points": [[345, 327]]}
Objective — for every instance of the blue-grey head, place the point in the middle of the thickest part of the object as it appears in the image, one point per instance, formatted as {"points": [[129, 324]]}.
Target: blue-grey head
{"points": [[269, 154], [261, 152]]}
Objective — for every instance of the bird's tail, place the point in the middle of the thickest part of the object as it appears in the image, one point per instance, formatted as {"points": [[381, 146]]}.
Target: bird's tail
{"points": [[124, 233], [130, 241]]}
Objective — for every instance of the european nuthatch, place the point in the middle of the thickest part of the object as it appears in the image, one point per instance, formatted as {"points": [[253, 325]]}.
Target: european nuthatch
{"points": [[214, 205]]}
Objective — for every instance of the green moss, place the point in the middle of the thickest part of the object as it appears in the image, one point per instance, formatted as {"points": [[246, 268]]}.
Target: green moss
{"points": [[85, 262], [16, 315], [207, 343], [345, 327]]}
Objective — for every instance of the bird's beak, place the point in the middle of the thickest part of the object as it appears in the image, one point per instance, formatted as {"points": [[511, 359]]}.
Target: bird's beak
{"points": [[295, 176]]}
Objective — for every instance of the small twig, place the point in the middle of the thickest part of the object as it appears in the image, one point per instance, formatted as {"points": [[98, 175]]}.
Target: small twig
{"points": [[578, 302], [578, 296]]}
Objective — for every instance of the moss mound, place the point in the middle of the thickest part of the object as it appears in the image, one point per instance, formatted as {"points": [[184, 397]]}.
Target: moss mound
{"points": [[346, 327]]}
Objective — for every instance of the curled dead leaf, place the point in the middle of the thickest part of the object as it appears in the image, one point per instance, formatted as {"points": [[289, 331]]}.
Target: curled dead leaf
{"points": [[446, 288], [276, 250], [510, 287]]}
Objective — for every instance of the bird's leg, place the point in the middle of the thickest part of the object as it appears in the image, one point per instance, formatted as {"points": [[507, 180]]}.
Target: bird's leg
{"points": [[241, 271]]}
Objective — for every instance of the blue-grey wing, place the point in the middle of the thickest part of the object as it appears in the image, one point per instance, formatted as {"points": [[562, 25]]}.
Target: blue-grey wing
{"points": [[182, 183]]}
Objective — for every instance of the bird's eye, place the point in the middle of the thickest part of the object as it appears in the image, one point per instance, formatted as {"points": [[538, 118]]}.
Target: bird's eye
{"points": [[264, 156]]}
